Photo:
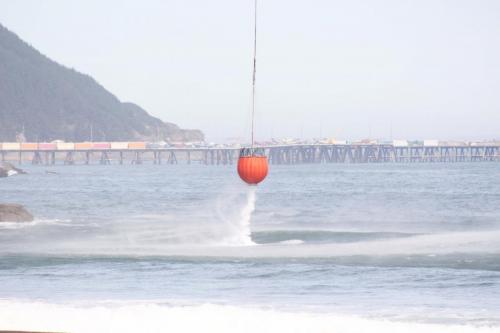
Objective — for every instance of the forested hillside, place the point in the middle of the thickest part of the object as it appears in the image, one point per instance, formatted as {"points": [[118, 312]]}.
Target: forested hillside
{"points": [[50, 101]]}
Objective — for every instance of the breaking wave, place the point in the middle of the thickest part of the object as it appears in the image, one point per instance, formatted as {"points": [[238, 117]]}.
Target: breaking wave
{"points": [[129, 316]]}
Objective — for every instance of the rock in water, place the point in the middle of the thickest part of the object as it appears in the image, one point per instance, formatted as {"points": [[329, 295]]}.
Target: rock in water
{"points": [[14, 213], [7, 169]]}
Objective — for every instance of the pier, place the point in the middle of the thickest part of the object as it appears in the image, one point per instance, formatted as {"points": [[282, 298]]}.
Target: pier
{"points": [[279, 154]]}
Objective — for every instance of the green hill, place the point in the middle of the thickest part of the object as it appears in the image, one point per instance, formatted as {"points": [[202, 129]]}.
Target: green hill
{"points": [[50, 101]]}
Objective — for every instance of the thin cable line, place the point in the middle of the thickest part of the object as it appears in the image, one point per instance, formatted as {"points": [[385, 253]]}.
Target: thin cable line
{"points": [[254, 71]]}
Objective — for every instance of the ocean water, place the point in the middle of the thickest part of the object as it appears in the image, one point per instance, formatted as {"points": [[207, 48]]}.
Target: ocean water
{"points": [[315, 248]]}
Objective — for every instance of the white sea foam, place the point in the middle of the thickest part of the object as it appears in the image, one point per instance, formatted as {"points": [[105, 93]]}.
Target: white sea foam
{"points": [[36, 222], [445, 243], [214, 240], [292, 242], [150, 317]]}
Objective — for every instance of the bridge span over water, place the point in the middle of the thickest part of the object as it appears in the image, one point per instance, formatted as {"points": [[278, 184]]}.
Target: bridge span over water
{"points": [[278, 154]]}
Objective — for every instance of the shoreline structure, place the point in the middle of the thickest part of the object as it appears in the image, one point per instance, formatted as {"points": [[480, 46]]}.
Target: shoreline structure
{"points": [[397, 151]]}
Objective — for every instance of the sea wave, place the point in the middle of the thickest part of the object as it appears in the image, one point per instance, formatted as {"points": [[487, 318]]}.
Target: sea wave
{"points": [[321, 236], [482, 242], [36, 222], [157, 317], [471, 250]]}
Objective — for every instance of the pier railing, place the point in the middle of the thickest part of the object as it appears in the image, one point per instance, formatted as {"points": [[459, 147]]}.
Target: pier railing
{"points": [[282, 154]]}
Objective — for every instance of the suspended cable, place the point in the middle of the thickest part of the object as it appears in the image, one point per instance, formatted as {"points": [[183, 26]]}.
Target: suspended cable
{"points": [[254, 70]]}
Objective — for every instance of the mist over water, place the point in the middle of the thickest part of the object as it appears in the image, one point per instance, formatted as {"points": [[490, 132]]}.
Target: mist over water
{"points": [[221, 220], [327, 244], [238, 232]]}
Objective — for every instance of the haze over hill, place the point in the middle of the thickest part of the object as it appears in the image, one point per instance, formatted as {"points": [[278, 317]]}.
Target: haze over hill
{"points": [[50, 101]]}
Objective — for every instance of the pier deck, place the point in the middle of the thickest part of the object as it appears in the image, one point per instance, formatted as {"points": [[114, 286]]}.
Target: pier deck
{"points": [[284, 154]]}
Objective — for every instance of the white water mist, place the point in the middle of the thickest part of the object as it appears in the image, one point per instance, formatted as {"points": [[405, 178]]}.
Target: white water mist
{"points": [[239, 224]]}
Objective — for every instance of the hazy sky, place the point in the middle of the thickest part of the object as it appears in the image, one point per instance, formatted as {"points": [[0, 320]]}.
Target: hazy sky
{"points": [[346, 69]]}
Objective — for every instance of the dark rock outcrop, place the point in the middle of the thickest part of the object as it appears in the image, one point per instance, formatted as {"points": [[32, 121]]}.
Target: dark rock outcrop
{"points": [[41, 100], [7, 169], [14, 213]]}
